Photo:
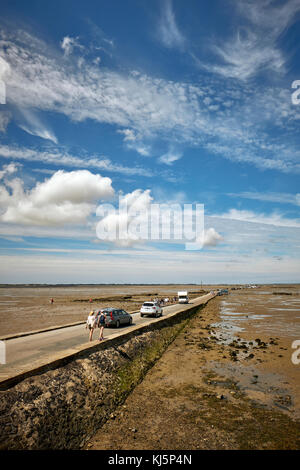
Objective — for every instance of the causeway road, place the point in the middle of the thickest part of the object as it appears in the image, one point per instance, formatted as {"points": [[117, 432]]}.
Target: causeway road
{"points": [[31, 351]]}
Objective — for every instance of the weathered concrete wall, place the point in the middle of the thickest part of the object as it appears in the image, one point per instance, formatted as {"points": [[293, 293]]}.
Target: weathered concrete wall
{"points": [[62, 408]]}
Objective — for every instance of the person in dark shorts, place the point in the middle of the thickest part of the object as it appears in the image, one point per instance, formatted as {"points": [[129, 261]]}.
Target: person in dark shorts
{"points": [[101, 324]]}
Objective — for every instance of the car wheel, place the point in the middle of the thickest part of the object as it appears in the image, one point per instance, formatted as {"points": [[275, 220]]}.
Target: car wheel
{"points": [[117, 324], [142, 314]]}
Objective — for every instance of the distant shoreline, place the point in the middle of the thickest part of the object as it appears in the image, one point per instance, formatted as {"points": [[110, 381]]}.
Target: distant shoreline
{"points": [[147, 284]]}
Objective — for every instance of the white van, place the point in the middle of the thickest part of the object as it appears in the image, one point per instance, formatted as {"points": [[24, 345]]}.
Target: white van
{"points": [[183, 297]]}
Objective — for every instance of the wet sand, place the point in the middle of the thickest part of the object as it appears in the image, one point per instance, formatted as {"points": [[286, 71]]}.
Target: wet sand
{"points": [[226, 382]]}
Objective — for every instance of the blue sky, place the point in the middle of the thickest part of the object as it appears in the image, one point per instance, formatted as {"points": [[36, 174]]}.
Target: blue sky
{"points": [[156, 102]]}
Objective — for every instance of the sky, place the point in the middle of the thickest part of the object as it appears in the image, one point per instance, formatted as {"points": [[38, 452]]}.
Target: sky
{"points": [[142, 104]]}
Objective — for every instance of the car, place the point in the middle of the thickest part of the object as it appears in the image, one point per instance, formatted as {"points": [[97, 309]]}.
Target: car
{"points": [[222, 292], [151, 308], [116, 317]]}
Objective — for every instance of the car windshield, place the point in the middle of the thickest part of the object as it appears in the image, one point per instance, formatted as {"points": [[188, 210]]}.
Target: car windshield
{"points": [[148, 304]]}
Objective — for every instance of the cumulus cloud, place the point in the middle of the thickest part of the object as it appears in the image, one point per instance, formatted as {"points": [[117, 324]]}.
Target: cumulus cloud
{"points": [[122, 227], [208, 238], [211, 237], [139, 219], [65, 198]]}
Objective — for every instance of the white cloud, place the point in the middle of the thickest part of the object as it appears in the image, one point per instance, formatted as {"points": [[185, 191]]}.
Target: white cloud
{"points": [[65, 198], [249, 216], [34, 126], [147, 108], [129, 135], [170, 157], [282, 198], [8, 170], [169, 33], [122, 226], [146, 267], [4, 73], [246, 56], [5, 117], [255, 45], [140, 219], [68, 44], [61, 158], [211, 237]]}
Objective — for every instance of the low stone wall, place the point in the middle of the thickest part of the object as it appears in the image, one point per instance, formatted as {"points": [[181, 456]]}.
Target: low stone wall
{"points": [[64, 407]]}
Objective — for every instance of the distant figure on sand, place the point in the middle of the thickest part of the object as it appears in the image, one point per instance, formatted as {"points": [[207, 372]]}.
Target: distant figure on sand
{"points": [[91, 323], [51, 301]]}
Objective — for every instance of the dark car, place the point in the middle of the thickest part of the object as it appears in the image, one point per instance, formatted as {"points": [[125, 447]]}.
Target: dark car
{"points": [[223, 292], [116, 317]]}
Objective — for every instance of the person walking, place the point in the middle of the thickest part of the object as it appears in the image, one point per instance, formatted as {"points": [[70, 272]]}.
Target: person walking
{"points": [[101, 324], [90, 323]]}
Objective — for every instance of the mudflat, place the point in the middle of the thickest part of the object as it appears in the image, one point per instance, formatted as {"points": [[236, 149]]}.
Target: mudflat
{"points": [[227, 381]]}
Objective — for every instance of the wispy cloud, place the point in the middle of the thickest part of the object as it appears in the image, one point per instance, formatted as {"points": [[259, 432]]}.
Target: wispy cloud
{"points": [[275, 218], [177, 268], [168, 30], [281, 198], [5, 117], [254, 47], [60, 158], [33, 125], [68, 44], [170, 157], [8, 170], [224, 118]]}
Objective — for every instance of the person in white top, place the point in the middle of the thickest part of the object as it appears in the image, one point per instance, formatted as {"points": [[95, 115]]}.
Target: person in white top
{"points": [[90, 323]]}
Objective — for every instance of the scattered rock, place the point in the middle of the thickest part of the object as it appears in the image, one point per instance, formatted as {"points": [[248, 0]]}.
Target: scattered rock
{"points": [[221, 397]]}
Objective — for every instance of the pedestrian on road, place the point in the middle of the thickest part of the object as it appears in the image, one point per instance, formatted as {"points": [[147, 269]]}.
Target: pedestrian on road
{"points": [[90, 323], [101, 324]]}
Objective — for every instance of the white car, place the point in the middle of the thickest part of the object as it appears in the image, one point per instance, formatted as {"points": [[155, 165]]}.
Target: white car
{"points": [[151, 308]]}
